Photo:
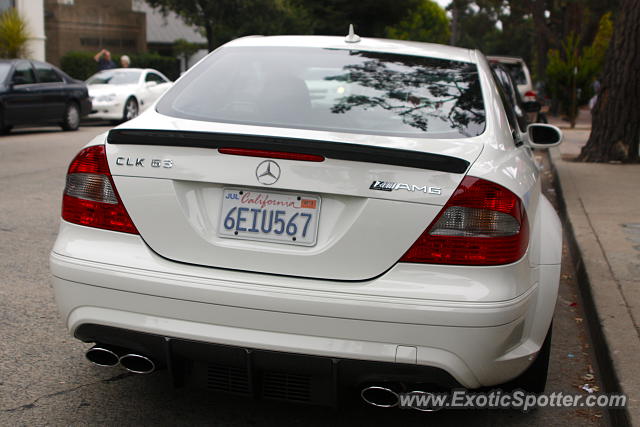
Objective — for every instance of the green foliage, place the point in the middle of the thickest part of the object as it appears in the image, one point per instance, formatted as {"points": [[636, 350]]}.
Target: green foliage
{"points": [[572, 66], [79, 65], [14, 34], [594, 55], [426, 23], [224, 20], [185, 49], [369, 17], [167, 65], [496, 27]]}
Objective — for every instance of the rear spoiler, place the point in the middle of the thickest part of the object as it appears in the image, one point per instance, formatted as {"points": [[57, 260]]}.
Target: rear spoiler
{"points": [[328, 149]]}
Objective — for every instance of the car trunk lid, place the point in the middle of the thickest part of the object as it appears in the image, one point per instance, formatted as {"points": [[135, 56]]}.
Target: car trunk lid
{"points": [[371, 201]]}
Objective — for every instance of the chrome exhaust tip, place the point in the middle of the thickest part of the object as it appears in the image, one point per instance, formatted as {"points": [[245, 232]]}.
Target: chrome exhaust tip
{"points": [[380, 397], [137, 363], [423, 394], [102, 356]]}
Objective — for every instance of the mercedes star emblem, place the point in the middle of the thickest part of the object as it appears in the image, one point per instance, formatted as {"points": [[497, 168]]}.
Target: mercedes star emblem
{"points": [[268, 172]]}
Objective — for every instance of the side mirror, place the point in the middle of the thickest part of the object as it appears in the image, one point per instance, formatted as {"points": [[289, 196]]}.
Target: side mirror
{"points": [[531, 106], [543, 136], [151, 84]]}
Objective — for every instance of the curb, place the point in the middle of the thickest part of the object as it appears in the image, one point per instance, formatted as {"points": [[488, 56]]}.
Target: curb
{"points": [[606, 319]]}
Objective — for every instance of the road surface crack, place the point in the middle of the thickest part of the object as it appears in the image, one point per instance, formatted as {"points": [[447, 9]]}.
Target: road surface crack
{"points": [[32, 404]]}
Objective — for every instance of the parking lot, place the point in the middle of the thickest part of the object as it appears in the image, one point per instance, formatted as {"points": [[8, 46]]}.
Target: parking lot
{"points": [[45, 379]]}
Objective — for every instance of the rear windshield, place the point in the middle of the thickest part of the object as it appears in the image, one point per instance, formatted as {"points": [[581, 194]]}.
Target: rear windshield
{"points": [[333, 90], [114, 78]]}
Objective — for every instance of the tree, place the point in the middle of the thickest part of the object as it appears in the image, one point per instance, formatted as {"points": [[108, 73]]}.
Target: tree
{"points": [[14, 34], [369, 17], [426, 23], [498, 27], [457, 8], [615, 132], [572, 70], [184, 49], [555, 20], [225, 20]]}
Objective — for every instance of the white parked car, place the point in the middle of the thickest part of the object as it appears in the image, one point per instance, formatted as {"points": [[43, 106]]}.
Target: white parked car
{"points": [[519, 73], [305, 214], [120, 94]]}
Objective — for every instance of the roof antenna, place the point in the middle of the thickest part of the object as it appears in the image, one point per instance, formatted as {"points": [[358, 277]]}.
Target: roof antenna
{"points": [[352, 37]]}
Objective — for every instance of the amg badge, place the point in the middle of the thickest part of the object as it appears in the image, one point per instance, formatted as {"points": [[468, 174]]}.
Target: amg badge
{"points": [[392, 186]]}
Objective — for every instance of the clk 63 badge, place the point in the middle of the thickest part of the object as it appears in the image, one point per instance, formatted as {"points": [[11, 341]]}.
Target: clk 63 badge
{"points": [[393, 186], [139, 162]]}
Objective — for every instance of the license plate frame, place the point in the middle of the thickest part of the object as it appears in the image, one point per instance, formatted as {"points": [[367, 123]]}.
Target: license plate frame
{"points": [[269, 203]]}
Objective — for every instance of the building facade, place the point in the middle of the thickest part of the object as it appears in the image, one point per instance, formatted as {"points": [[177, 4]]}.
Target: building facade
{"points": [[91, 25], [163, 30]]}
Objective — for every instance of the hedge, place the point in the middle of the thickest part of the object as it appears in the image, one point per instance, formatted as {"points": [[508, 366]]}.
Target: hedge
{"points": [[167, 65], [81, 65]]}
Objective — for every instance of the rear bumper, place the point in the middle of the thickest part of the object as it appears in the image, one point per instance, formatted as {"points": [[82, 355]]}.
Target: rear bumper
{"points": [[475, 343], [263, 373]]}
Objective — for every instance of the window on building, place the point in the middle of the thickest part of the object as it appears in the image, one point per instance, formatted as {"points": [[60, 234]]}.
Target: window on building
{"points": [[90, 41]]}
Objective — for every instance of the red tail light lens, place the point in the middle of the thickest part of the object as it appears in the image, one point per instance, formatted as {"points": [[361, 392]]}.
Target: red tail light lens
{"points": [[530, 93], [90, 197], [271, 154], [482, 224]]}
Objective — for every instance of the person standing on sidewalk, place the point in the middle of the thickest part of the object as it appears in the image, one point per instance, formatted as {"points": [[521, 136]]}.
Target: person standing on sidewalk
{"points": [[103, 58]]}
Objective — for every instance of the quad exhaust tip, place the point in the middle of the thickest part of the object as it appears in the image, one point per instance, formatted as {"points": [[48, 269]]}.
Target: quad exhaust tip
{"points": [[380, 397], [385, 397], [108, 356], [137, 363], [102, 356]]}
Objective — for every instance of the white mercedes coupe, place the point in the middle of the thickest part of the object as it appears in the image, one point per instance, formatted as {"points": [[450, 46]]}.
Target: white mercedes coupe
{"points": [[305, 217], [121, 94]]}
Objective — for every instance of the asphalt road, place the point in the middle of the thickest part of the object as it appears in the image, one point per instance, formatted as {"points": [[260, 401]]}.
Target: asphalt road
{"points": [[45, 380]]}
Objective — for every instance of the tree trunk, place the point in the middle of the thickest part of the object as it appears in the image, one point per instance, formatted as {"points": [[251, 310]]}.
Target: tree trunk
{"points": [[455, 23], [208, 31], [542, 47], [457, 8], [615, 133], [545, 38]]}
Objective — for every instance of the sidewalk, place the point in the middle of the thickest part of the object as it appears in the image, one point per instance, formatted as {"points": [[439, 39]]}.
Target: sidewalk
{"points": [[603, 211]]}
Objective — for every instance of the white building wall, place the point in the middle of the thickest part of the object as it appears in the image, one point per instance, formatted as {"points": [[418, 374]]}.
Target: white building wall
{"points": [[33, 12]]}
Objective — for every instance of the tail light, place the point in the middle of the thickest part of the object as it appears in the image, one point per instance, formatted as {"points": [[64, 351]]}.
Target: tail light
{"points": [[530, 93], [271, 154], [90, 197], [482, 224]]}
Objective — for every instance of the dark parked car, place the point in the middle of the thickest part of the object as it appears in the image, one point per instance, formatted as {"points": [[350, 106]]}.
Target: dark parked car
{"points": [[34, 92]]}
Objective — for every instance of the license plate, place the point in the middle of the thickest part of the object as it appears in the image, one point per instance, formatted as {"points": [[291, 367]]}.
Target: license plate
{"points": [[271, 217]]}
